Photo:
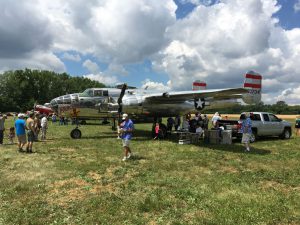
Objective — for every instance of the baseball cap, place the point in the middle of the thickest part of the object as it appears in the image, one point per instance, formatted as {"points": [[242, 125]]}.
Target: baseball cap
{"points": [[124, 116]]}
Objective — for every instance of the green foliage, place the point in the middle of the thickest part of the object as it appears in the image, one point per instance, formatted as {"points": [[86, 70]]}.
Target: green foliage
{"points": [[20, 89], [279, 108]]}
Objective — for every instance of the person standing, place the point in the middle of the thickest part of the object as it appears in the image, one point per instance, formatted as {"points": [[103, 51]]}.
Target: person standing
{"points": [[177, 122], [44, 127], [127, 128], [170, 123], [20, 126], [2, 128], [214, 120], [246, 130], [297, 126], [205, 122], [37, 126], [30, 133], [156, 131]]}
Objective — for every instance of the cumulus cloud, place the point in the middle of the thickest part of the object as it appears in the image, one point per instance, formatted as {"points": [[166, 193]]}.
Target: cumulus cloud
{"points": [[217, 42], [297, 6], [102, 78], [71, 57], [155, 86], [91, 66], [221, 42]]}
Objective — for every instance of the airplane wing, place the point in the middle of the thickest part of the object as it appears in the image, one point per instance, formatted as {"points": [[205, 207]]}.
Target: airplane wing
{"points": [[218, 94]]}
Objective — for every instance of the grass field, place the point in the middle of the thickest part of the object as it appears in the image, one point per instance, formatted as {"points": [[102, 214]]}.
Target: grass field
{"points": [[85, 181]]}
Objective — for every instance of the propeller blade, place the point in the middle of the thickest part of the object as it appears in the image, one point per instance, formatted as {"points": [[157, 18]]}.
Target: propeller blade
{"points": [[124, 87]]}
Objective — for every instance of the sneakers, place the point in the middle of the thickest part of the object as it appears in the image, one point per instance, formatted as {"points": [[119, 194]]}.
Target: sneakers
{"points": [[126, 158], [247, 150]]}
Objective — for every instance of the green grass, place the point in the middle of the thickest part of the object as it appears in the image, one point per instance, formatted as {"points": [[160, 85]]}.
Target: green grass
{"points": [[85, 182]]}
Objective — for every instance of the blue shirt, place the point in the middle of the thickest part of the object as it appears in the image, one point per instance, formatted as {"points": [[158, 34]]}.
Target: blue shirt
{"points": [[126, 126], [246, 126], [20, 126]]}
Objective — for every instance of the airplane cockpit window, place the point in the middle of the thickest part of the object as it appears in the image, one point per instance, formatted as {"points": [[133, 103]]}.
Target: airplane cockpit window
{"points": [[87, 93], [105, 93], [98, 93]]}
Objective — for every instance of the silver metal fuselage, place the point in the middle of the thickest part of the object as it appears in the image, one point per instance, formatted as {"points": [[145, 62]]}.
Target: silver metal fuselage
{"points": [[97, 103]]}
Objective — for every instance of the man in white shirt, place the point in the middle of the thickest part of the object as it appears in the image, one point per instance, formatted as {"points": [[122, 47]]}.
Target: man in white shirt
{"points": [[44, 127]]}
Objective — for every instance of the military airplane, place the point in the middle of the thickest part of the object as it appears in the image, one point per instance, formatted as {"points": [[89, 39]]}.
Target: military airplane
{"points": [[112, 102]]}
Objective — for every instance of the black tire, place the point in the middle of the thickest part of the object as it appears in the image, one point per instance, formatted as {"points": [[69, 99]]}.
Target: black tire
{"points": [[286, 133], [75, 133]]}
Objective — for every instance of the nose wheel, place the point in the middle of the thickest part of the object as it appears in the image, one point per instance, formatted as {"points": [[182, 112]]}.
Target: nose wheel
{"points": [[75, 133]]}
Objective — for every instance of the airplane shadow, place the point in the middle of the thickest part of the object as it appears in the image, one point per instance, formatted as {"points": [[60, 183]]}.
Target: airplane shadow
{"points": [[235, 147]]}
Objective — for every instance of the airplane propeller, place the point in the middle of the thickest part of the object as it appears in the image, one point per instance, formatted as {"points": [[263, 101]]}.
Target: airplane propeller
{"points": [[124, 87]]}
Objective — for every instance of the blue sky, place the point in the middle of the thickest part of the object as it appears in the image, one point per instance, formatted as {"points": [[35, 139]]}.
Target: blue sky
{"points": [[161, 44]]}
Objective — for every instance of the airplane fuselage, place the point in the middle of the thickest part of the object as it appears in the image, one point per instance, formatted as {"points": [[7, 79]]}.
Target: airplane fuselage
{"points": [[97, 103]]}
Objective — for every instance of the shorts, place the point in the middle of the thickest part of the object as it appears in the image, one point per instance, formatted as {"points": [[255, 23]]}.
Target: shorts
{"points": [[30, 136], [297, 125], [125, 142], [22, 138], [246, 138]]}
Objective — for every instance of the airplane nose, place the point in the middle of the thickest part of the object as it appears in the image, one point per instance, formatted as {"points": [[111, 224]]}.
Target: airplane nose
{"points": [[54, 104]]}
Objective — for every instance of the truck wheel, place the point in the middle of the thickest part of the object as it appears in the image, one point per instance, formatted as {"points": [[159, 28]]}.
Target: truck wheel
{"points": [[286, 134], [75, 133]]}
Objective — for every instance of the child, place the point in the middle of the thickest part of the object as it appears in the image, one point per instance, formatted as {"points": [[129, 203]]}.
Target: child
{"points": [[156, 131], [11, 135]]}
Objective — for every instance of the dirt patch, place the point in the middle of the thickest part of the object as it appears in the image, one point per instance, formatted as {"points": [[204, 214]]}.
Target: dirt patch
{"points": [[65, 191], [228, 169], [267, 185]]}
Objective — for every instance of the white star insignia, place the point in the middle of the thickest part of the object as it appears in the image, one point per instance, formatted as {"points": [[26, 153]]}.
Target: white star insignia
{"points": [[199, 103]]}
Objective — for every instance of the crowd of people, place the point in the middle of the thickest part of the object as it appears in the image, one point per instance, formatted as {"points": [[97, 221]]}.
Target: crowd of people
{"points": [[26, 128]]}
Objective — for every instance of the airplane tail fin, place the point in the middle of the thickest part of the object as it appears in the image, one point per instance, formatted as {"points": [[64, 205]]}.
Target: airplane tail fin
{"points": [[198, 85], [253, 84]]}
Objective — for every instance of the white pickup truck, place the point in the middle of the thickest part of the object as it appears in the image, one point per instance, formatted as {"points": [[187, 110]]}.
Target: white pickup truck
{"points": [[263, 124]]}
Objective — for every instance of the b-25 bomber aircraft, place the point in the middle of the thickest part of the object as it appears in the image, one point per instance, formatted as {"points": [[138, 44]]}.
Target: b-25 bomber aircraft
{"points": [[97, 103]]}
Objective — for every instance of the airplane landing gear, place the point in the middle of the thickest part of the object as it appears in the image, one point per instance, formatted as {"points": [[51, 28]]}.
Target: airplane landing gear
{"points": [[75, 133]]}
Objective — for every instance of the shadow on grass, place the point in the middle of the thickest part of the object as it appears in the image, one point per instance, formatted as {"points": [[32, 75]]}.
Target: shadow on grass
{"points": [[235, 147]]}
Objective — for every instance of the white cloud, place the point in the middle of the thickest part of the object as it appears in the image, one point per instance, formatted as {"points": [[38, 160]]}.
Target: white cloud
{"points": [[217, 43], [91, 66], [297, 6], [71, 57], [155, 86], [102, 78]]}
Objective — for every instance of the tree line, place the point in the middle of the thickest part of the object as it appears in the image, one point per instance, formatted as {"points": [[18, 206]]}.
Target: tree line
{"points": [[279, 107], [21, 89]]}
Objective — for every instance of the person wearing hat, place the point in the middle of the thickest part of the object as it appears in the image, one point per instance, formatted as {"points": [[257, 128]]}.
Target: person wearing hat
{"points": [[2, 128], [246, 130], [20, 126], [126, 130]]}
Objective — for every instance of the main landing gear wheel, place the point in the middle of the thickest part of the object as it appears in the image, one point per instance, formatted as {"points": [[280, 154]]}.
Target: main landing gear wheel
{"points": [[75, 133]]}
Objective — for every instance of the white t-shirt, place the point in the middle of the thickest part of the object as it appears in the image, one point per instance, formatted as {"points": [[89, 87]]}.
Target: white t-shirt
{"points": [[44, 122]]}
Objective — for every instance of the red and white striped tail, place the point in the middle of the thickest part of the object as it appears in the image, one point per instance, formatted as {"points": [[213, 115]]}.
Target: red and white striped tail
{"points": [[253, 83], [198, 85]]}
